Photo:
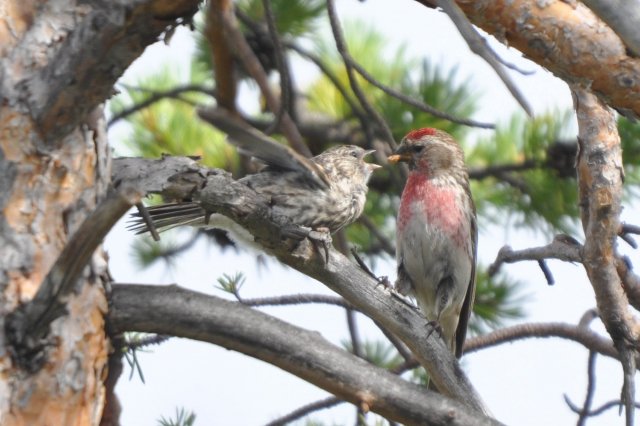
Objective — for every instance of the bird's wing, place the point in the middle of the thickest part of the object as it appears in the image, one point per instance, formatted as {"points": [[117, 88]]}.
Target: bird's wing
{"points": [[257, 144], [467, 306]]}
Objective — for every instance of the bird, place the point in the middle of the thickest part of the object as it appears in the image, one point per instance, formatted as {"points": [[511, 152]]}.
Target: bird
{"points": [[437, 234], [324, 193]]}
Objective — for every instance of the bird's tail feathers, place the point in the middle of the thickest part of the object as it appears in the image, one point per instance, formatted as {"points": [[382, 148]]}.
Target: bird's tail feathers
{"points": [[167, 216]]}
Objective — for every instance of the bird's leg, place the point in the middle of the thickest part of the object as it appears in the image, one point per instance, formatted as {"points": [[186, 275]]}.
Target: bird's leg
{"points": [[435, 326]]}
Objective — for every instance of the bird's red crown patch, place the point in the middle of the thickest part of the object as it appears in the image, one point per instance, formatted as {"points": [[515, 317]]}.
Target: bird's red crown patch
{"points": [[417, 134]]}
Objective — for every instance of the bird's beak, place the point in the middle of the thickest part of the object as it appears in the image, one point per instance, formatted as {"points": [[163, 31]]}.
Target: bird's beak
{"points": [[372, 166], [395, 158]]}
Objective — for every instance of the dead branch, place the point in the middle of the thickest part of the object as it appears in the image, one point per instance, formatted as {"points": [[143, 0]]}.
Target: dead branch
{"points": [[562, 248], [176, 311]]}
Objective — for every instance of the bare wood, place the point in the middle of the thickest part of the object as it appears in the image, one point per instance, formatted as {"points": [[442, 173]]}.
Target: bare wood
{"points": [[180, 312], [623, 18], [600, 176]]}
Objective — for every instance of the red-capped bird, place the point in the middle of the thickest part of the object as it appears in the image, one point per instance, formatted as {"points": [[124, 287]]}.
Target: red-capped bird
{"points": [[437, 232]]}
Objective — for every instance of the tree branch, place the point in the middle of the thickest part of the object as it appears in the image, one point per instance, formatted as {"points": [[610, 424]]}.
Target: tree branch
{"points": [[217, 192], [567, 39], [622, 18], [478, 45], [562, 248], [176, 311], [355, 86], [221, 58], [238, 44], [600, 176], [301, 412]]}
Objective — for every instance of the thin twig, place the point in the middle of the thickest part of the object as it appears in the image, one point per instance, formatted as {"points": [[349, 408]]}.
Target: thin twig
{"points": [[386, 245], [286, 88], [585, 337], [357, 111], [402, 349], [356, 344], [546, 271], [562, 248], [306, 410], [158, 95], [591, 387], [604, 407], [478, 45], [498, 170], [416, 103], [355, 86], [240, 46]]}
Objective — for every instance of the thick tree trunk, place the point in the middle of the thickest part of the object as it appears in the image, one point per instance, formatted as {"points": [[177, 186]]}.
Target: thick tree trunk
{"points": [[46, 193], [58, 62]]}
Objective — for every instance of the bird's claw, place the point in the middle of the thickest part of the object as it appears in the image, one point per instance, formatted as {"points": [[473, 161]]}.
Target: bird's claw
{"points": [[321, 238]]}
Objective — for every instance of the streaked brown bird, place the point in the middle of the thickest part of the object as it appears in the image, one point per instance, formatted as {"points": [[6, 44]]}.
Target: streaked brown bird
{"points": [[325, 193], [437, 233]]}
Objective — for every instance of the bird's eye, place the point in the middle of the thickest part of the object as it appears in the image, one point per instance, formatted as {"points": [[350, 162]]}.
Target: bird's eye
{"points": [[417, 148], [353, 154]]}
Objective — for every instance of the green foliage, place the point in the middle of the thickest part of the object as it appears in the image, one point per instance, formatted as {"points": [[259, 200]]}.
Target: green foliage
{"points": [[438, 88], [630, 141], [380, 353], [171, 126], [535, 198], [182, 418], [369, 47], [146, 251], [496, 302], [231, 283], [295, 18]]}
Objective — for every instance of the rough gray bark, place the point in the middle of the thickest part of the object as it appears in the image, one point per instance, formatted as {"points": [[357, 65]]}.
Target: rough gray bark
{"points": [[172, 310]]}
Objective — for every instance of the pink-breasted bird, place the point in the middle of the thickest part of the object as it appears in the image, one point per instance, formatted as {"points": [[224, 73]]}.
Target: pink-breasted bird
{"points": [[437, 232]]}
